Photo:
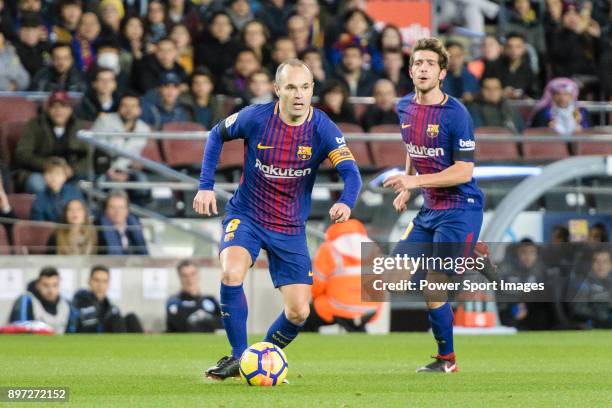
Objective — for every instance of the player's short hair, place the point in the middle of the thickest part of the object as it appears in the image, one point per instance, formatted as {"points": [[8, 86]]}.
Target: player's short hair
{"points": [[431, 44], [96, 268], [48, 272], [182, 264], [294, 62]]}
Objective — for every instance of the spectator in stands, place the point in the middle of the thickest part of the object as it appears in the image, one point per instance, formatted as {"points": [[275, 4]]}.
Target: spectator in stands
{"points": [[77, 235], [120, 232], [111, 13], [358, 32], [156, 22], [42, 302], [121, 169], [61, 75], [358, 81], [560, 235], [189, 310], [108, 55], [383, 110], [181, 37], [96, 312], [574, 47], [260, 89], [217, 50], [557, 109], [32, 50], [101, 98], [523, 19], [283, 50], [256, 36], [390, 38], [164, 106], [240, 13], [13, 76], [184, 12], [84, 41], [235, 79], [334, 102], [49, 204], [51, 133], [297, 27], [133, 45], [489, 64], [313, 58], [492, 109], [206, 107], [393, 70], [318, 21], [592, 305], [459, 82], [7, 26], [525, 267], [468, 13], [149, 72], [273, 11], [70, 12], [598, 233], [5, 210], [515, 71]]}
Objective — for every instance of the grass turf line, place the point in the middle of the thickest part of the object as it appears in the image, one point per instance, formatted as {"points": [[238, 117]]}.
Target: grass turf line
{"points": [[529, 369]]}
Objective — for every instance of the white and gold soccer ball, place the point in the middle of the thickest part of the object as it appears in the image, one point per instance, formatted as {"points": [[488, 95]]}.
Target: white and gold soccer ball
{"points": [[263, 364]]}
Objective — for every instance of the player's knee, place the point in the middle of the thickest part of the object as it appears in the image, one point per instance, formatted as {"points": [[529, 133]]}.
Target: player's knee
{"points": [[298, 314], [232, 276]]}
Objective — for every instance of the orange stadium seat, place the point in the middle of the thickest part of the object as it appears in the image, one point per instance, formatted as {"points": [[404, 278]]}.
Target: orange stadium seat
{"points": [[31, 237], [151, 151], [5, 248], [16, 109], [181, 153], [555, 149], [21, 204], [599, 148], [490, 150]]}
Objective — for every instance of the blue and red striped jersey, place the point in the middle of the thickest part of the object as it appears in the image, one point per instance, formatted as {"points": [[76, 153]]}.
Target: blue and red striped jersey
{"points": [[280, 164], [437, 136]]}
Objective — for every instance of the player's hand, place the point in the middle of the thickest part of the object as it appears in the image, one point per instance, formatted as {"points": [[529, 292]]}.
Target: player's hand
{"points": [[401, 182], [401, 201], [205, 203], [339, 212]]}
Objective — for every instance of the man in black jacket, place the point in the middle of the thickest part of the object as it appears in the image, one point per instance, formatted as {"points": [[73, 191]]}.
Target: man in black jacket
{"points": [[150, 71], [189, 310], [96, 312], [61, 75]]}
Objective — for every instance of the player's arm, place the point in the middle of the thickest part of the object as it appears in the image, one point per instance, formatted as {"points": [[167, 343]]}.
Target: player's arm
{"points": [[400, 203], [344, 162], [204, 202]]}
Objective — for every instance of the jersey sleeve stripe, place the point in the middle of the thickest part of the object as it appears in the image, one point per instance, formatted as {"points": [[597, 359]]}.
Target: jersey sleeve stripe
{"points": [[339, 155]]}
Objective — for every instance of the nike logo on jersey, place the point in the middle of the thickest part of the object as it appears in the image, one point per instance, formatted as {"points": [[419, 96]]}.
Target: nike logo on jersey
{"points": [[262, 147], [405, 125]]}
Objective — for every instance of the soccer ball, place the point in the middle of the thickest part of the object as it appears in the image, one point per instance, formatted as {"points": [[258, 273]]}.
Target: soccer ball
{"points": [[263, 364]]}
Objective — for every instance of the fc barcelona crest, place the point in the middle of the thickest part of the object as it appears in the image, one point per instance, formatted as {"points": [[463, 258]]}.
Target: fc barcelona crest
{"points": [[433, 130], [304, 152]]}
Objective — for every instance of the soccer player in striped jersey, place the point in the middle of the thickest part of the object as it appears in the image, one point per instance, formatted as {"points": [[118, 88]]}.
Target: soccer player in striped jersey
{"points": [[284, 144], [439, 137]]}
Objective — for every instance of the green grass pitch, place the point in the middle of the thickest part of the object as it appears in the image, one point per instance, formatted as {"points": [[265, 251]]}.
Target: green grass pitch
{"points": [[529, 369]]}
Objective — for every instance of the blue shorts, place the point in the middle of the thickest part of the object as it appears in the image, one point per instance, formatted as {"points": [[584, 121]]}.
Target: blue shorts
{"points": [[288, 256], [441, 233]]}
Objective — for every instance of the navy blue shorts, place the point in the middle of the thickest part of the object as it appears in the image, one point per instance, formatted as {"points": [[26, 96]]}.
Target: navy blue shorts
{"points": [[441, 233], [288, 256]]}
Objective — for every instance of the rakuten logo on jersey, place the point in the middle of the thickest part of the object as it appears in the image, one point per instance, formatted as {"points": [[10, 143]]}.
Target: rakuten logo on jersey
{"points": [[424, 151], [270, 171], [467, 144]]}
